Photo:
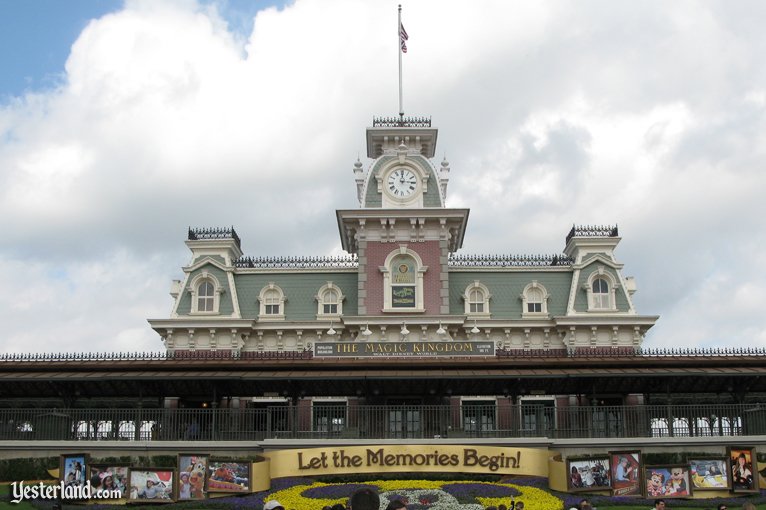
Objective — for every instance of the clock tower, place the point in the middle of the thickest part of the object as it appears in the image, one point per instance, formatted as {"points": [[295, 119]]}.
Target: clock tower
{"points": [[403, 232]]}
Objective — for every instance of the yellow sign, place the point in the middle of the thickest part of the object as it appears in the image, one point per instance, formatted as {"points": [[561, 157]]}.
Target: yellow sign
{"points": [[410, 458]]}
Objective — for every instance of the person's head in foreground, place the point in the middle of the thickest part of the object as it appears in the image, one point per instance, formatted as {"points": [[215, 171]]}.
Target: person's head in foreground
{"points": [[364, 499], [273, 505], [659, 504]]}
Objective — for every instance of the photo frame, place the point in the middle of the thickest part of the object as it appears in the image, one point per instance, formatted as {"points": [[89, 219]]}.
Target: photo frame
{"points": [[151, 485], [110, 477], [626, 473], [710, 473], [668, 481], [227, 475], [744, 475], [192, 476], [73, 469], [588, 474]]}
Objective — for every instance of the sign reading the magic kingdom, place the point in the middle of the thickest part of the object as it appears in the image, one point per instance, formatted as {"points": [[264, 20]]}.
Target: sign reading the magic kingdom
{"points": [[402, 349]]}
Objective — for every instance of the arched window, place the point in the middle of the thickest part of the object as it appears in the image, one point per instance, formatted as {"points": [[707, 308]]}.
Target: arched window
{"points": [[600, 293], [329, 301], [534, 300], [205, 296], [476, 297], [476, 301], [403, 281], [205, 290], [600, 288], [272, 303]]}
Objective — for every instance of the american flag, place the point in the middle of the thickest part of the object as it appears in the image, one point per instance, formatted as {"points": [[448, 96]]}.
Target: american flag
{"points": [[403, 38]]}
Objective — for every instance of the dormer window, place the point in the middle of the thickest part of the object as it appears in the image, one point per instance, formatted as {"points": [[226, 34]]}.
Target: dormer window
{"points": [[205, 297], [476, 297], [600, 289], [476, 301], [205, 291], [329, 301], [534, 300], [600, 293], [272, 303]]}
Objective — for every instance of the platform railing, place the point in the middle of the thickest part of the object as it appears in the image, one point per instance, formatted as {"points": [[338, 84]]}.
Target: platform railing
{"points": [[328, 420]]}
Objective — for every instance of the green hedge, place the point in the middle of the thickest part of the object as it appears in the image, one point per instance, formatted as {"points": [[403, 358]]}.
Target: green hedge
{"points": [[14, 470]]}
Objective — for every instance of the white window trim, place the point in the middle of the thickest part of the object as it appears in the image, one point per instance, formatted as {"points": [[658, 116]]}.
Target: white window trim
{"points": [[477, 285], [263, 316], [600, 272], [320, 302], [194, 284], [525, 314], [386, 270]]}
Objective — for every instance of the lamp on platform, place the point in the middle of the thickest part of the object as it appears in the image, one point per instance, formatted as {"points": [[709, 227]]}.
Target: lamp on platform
{"points": [[475, 329], [366, 331], [331, 331], [441, 329], [405, 331]]}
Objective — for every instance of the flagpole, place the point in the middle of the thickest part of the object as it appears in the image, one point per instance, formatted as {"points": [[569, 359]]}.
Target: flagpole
{"points": [[399, 43]]}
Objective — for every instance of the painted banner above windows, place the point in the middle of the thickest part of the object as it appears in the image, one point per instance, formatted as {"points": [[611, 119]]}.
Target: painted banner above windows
{"points": [[397, 349]]}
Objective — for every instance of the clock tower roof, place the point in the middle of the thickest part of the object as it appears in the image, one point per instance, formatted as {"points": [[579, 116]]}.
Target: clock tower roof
{"points": [[387, 133]]}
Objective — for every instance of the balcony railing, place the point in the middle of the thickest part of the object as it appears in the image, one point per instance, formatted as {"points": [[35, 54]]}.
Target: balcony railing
{"points": [[383, 422]]}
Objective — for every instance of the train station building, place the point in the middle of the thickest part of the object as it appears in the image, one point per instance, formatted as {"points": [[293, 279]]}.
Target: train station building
{"points": [[403, 339]]}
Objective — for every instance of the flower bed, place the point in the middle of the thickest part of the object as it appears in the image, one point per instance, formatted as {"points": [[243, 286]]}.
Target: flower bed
{"points": [[418, 494]]}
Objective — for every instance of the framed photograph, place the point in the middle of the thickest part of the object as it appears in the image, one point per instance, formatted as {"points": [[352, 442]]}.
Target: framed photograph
{"points": [[228, 476], [710, 473], [110, 477], [744, 476], [589, 474], [669, 481], [192, 476], [626, 473], [151, 485], [73, 469]]}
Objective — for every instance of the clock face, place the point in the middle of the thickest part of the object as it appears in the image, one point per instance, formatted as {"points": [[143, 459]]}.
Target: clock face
{"points": [[402, 183]]}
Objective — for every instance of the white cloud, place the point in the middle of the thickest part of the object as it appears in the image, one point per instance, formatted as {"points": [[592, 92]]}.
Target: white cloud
{"points": [[649, 115]]}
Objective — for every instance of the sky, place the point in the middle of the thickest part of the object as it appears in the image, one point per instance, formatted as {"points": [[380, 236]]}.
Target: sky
{"points": [[124, 123]]}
